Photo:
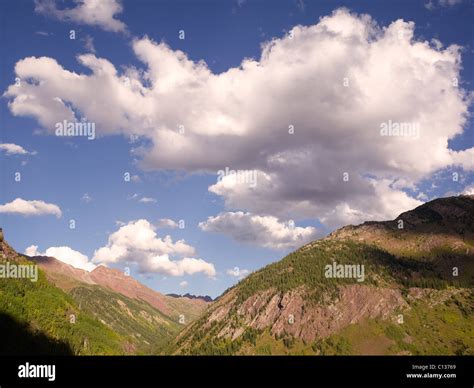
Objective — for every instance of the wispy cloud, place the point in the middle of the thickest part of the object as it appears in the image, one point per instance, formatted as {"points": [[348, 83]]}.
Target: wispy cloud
{"points": [[91, 12], [15, 149]]}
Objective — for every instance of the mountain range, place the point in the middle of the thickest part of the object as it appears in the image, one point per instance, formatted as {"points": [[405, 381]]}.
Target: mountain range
{"points": [[415, 297], [403, 286], [123, 316]]}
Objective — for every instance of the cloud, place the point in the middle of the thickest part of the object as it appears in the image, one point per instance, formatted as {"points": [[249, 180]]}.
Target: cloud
{"points": [[433, 4], [300, 4], [183, 284], [335, 84], [100, 13], [237, 272], [265, 231], [89, 44], [167, 223], [30, 208], [136, 197], [15, 149], [186, 266], [65, 254], [43, 33], [137, 242], [469, 190], [147, 200], [86, 198]]}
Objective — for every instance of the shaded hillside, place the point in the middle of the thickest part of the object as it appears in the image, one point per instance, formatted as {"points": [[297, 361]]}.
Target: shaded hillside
{"points": [[415, 296], [18, 338]]}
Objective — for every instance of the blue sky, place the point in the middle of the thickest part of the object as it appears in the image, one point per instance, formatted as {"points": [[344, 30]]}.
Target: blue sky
{"points": [[61, 170]]}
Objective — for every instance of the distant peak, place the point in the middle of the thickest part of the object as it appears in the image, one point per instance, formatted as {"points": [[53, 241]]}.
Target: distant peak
{"points": [[205, 298]]}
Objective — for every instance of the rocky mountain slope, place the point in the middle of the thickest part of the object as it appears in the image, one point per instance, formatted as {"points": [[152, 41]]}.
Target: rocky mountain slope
{"points": [[397, 287], [67, 277], [98, 312]]}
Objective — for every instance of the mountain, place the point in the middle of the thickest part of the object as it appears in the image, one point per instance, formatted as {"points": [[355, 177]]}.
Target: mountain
{"points": [[134, 318], [67, 277], [205, 298], [396, 287], [403, 286], [147, 318], [38, 318]]}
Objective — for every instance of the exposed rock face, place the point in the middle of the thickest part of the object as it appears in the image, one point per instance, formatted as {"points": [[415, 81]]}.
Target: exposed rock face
{"points": [[434, 238], [6, 250], [291, 313]]}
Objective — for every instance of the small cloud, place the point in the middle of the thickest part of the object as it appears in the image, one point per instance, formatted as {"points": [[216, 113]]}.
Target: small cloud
{"points": [[422, 197], [89, 44], [236, 272], [469, 190], [138, 198], [32, 250], [183, 284], [86, 198], [30, 208], [433, 4], [301, 5], [15, 149], [43, 33], [147, 200], [166, 223]]}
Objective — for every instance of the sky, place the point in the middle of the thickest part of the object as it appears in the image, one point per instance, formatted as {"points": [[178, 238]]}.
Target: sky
{"points": [[193, 142]]}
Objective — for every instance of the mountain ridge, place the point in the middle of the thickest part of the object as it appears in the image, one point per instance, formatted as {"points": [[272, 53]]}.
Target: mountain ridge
{"points": [[414, 267], [205, 298], [114, 313], [61, 273]]}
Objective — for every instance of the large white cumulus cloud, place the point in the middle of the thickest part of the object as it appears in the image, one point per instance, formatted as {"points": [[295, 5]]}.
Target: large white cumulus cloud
{"points": [[138, 243], [266, 231], [335, 82], [65, 254]]}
